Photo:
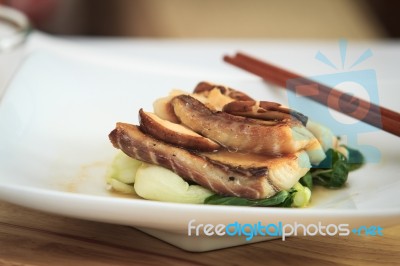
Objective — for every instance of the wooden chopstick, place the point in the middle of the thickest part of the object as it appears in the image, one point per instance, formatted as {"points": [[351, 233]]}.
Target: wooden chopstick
{"points": [[286, 75], [367, 112]]}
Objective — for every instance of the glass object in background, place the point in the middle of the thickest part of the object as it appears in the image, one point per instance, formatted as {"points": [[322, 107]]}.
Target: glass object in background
{"points": [[14, 30]]}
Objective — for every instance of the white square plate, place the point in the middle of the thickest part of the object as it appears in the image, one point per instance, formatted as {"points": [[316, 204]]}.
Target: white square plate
{"points": [[55, 118]]}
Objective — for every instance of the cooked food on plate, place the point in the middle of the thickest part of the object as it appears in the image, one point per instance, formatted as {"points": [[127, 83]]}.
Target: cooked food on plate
{"points": [[217, 145]]}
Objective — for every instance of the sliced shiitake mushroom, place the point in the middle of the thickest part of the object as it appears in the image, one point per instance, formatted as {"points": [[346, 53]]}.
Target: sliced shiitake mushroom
{"points": [[263, 110], [163, 109], [205, 87], [175, 134]]}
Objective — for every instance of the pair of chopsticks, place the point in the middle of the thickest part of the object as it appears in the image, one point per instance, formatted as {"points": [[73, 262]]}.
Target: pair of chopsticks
{"points": [[357, 108]]}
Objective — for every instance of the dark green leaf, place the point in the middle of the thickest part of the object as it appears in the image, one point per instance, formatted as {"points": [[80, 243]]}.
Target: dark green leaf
{"points": [[355, 160], [279, 199], [327, 163], [287, 203], [334, 176], [307, 180]]}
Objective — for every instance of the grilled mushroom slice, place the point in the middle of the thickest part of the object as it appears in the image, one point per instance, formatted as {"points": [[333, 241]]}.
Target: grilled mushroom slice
{"points": [[175, 134], [163, 109], [205, 87], [263, 110]]}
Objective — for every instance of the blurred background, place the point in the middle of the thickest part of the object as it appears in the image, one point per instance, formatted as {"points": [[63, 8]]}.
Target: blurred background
{"points": [[307, 19]]}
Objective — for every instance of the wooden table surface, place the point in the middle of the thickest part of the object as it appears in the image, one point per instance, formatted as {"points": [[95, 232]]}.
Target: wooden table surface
{"points": [[29, 237]]}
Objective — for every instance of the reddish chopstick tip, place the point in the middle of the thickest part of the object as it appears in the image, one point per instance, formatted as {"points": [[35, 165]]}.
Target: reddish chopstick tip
{"points": [[227, 58]]}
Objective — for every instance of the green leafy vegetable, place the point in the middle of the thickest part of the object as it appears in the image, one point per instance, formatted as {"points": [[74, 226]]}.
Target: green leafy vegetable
{"points": [[332, 172], [121, 173], [298, 196], [154, 182], [276, 200], [301, 196], [355, 158], [307, 181]]}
